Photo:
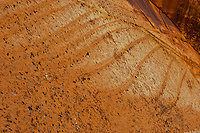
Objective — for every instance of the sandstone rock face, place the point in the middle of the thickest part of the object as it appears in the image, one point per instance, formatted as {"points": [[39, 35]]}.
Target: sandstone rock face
{"points": [[185, 14], [95, 66]]}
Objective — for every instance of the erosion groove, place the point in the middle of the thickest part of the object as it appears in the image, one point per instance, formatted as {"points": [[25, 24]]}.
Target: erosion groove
{"points": [[95, 66], [160, 92], [18, 28]]}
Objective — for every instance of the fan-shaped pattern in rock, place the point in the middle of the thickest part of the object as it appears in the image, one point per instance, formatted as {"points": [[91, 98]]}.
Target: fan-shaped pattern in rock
{"points": [[93, 66]]}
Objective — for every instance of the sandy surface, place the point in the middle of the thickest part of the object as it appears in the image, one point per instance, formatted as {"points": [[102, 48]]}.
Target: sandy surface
{"points": [[94, 66]]}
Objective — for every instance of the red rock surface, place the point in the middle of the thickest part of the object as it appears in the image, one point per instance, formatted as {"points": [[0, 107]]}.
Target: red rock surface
{"points": [[95, 66]]}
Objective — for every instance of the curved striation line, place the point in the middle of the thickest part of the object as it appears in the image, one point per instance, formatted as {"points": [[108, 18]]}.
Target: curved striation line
{"points": [[179, 90], [80, 38], [129, 82], [15, 29], [182, 57], [130, 22], [123, 87], [57, 40], [71, 58], [80, 52], [62, 28], [162, 44], [166, 46], [158, 31], [160, 92], [170, 106], [176, 52], [107, 62]]}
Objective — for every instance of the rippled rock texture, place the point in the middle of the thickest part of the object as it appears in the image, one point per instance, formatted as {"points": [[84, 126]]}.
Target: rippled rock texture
{"points": [[95, 66], [185, 14]]}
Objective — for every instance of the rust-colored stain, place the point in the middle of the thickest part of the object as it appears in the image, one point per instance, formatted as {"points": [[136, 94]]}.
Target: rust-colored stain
{"points": [[95, 66], [185, 14]]}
